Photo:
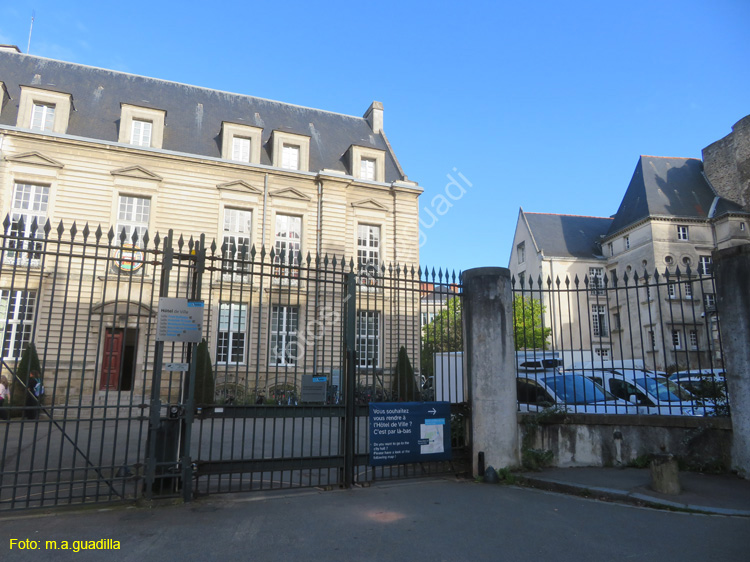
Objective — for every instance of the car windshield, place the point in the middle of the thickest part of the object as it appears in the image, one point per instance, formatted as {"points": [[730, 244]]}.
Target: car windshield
{"points": [[665, 390], [576, 389]]}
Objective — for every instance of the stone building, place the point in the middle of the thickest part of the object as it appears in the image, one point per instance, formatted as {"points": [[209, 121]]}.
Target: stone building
{"points": [[141, 155], [669, 221]]}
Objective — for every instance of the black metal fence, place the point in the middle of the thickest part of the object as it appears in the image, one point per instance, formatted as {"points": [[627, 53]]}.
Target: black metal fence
{"points": [[295, 348], [648, 344]]}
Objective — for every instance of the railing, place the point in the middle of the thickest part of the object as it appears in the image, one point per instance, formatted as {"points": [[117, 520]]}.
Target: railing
{"points": [[648, 344]]}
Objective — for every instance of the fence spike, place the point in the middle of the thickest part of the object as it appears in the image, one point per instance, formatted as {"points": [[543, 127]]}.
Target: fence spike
{"points": [[6, 223], [576, 282], [60, 230], [73, 231], [85, 232]]}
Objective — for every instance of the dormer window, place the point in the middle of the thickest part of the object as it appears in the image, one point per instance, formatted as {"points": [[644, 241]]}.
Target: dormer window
{"points": [[141, 126], [140, 134], [290, 151], [43, 117], [43, 110], [290, 157], [367, 169], [241, 149], [367, 163], [241, 143]]}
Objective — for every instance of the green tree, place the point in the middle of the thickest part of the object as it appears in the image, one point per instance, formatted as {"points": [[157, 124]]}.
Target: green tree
{"points": [[443, 334], [528, 328], [404, 385], [29, 362], [204, 376]]}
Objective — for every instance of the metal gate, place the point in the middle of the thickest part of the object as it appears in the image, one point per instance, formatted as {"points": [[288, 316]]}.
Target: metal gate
{"points": [[295, 348]]}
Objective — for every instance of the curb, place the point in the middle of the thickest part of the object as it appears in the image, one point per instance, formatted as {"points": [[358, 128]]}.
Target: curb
{"points": [[622, 496]]}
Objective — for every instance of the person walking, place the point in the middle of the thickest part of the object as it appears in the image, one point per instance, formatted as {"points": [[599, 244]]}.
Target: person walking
{"points": [[33, 395], [4, 398]]}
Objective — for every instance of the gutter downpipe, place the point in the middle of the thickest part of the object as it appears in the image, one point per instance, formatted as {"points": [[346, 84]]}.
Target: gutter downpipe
{"points": [[260, 296], [318, 245]]}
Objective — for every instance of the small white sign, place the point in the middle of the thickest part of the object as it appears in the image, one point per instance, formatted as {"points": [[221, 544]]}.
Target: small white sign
{"points": [[176, 366]]}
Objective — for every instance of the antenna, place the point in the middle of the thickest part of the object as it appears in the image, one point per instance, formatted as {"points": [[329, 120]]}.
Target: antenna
{"points": [[31, 27]]}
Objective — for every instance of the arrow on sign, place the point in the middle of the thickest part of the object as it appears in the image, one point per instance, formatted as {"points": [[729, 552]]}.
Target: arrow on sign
{"points": [[433, 411]]}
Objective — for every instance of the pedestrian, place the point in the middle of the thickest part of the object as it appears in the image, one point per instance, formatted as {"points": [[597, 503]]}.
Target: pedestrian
{"points": [[4, 398], [34, 391]]}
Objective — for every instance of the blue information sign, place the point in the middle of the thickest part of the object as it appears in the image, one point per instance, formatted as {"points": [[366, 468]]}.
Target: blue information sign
{"points": [[402, 432]]}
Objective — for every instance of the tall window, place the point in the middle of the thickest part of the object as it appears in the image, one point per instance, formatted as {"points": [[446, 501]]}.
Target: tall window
{"points": [[28, 215], [652, 339], [132, 217], [682, 232], [709, 301], [230, 346], [241, 149], [290, 157], [237, 225], [676, 339], [368, 338], [521, 252], [140, 133], [17, 319], [367, 169], [599, 320], [693, 339], [596, 279], [705, 265], [283, 348], [627, 242], [287, 244], [42, 117], [368, 253]]}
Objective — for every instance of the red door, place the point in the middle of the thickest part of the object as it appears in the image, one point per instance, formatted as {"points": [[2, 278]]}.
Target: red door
{"points": [[113, 346]]}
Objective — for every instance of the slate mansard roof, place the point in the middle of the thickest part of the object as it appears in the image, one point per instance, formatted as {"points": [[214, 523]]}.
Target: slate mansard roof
{"points": [[194, 115], [669, 187], [567, 236]]}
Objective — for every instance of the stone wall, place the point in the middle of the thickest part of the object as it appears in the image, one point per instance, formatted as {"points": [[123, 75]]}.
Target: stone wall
{"points": [[727, 164]]}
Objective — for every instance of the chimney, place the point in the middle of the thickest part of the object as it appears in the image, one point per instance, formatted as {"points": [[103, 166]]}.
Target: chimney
{"points": [[374, 116]]}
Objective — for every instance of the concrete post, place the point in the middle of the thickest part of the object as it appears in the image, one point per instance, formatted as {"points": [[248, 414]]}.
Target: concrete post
{"points": [[732, 269], [490, 364]]}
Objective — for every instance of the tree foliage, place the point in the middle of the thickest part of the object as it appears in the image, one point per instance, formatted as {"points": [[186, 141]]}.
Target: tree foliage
{"points": [[404, 384], [443, 334], [528, 329], [204, 376]]}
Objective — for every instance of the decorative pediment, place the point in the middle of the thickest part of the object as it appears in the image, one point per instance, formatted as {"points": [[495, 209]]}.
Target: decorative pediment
{"points": [[369, 204], [35, 159], [136, 172], [290, 193], [240, 186]]}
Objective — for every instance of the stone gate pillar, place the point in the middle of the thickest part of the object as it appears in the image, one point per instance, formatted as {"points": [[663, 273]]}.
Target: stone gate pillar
{"points": [[490, 364], [732, 269]]}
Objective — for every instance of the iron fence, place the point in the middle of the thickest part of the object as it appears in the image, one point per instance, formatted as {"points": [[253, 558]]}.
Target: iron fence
{"points": [[648, 344], [295, 347]]}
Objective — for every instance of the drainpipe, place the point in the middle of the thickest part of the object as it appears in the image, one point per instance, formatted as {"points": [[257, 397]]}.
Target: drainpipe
{"points": [[265, 200], [318, 249]]}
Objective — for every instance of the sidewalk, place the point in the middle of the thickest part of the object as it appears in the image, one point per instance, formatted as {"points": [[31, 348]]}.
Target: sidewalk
{"points": [[424, 520], [719, 494]]}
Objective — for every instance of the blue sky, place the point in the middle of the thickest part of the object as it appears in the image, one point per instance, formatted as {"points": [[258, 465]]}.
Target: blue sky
{"points": [[542, 105]]}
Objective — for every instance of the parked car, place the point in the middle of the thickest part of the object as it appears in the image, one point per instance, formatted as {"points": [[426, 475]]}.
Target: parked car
{"points": [[652, 393], [572, 392], [708, 386]]}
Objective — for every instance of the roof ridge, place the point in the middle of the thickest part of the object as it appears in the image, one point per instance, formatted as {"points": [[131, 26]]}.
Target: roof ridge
{"points": [[671, 157], [567, 215], [186, 85]]}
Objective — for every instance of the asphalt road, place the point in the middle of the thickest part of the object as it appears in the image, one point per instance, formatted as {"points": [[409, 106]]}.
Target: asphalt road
{"points": [[421, 520]]}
